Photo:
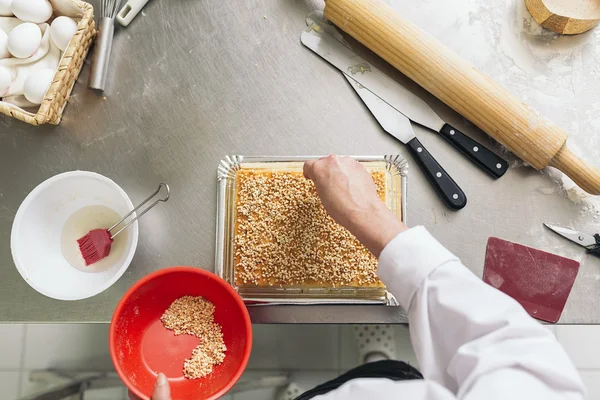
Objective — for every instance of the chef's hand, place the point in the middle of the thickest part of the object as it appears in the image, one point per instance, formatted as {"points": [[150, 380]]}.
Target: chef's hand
{"points": [[162, 391], [349, 195]]}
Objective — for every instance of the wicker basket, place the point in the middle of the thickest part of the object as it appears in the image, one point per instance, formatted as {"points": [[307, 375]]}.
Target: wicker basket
{"points": [[71, 62]]}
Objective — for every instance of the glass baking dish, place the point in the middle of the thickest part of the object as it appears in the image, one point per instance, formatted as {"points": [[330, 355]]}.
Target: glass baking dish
{"points": [[395, 168]]}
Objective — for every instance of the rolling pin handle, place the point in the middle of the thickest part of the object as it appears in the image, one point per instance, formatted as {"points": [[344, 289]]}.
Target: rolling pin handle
{"points": [[583, 174]]}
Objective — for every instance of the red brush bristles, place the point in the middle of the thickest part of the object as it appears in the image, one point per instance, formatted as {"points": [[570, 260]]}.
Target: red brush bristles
{"points": [[95, 245]]}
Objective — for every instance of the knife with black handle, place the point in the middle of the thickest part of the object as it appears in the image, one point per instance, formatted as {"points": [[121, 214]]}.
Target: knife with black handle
{"points": [[487, 160], [323, 38], [443, 184], [397, 125]]}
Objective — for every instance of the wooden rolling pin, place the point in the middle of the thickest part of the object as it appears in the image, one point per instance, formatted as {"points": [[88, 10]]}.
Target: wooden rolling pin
{"points": [[457, 83]]}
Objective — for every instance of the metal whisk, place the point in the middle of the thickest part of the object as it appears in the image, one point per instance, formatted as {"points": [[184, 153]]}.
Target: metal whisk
{"points": [[106, 30]]}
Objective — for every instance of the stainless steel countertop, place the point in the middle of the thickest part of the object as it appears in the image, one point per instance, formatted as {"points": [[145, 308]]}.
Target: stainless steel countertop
{"points": [[192, 81]]}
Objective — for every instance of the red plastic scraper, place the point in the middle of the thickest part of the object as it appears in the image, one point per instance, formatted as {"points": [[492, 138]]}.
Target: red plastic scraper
{"points": [[539, 281]]}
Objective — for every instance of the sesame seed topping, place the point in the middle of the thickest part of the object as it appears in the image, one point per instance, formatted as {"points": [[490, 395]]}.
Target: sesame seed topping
{"points": [[191, 315], [284, 236]]}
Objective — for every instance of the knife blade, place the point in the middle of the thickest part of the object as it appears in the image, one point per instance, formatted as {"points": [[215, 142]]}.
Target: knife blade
{"points": [[323, 38], [590, 242], [397, 125]]}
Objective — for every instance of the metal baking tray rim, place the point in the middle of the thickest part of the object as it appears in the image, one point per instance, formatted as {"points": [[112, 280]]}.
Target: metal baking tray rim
{"points": [[226, 172]]}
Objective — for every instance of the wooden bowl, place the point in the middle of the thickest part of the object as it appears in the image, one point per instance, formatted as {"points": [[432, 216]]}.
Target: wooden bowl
{"points": [[569, 17]]}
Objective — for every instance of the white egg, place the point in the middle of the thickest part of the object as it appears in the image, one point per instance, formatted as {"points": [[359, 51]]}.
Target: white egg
{"points": [[4, 53], [37, 11], [5, 9], [61, 31], [24, 40], [37, 84], [5, 80]]}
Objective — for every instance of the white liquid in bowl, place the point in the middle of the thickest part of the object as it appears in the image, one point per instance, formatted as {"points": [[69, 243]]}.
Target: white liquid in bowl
{"points": [[79, 224]]}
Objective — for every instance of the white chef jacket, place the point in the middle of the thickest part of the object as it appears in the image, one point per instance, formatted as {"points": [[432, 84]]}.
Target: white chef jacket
{"points": [[471, 340]]}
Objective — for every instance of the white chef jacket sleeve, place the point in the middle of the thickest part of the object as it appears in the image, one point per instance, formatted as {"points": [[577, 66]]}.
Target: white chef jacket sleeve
{"points": [[469, 337]]}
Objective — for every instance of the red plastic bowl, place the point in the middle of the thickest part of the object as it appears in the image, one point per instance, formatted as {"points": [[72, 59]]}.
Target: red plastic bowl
{"points": [[140, 347]]}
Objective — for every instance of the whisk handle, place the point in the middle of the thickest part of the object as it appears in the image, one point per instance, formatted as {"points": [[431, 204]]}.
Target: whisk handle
{"points": [[99, 67], [160, 200]]}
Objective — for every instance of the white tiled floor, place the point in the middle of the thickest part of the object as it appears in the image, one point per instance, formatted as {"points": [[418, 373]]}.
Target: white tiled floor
{"points": [[72, 345], [9, 384], [305, 379], [298, 347], [26, 387], [11, 346], [349, 352], [311, 354]]}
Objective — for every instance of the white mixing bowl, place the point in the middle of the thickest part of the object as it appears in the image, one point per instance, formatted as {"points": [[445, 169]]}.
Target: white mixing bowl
{"points": [[37, 229]]}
